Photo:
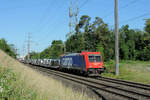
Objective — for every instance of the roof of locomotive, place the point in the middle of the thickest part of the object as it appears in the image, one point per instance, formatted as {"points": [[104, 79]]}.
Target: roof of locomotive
{"points": [[83, 52], [72, 54]]}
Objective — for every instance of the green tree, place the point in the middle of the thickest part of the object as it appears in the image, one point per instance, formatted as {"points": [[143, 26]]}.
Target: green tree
{"points": [[101, 49], [96, 36], [9, 49], [52, 52], [147, 26], [34, 55], [57, 48]]}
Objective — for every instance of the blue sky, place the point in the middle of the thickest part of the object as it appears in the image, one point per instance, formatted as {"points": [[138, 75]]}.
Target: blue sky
{"points": [[48, 20]]}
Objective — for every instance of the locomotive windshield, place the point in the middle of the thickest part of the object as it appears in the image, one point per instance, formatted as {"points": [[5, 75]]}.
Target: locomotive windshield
{"points": [[94, 58]]}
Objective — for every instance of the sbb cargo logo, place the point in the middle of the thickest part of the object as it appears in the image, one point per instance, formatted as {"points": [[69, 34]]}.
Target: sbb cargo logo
{"points": [[67, 62]]}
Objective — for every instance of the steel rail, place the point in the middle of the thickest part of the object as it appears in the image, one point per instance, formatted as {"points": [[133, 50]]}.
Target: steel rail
{"points": [[127, 83], [89, 84], [84, 81]]}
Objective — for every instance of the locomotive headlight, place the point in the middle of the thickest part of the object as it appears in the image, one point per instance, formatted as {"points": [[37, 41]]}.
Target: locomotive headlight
{"points": [[90, 66]]}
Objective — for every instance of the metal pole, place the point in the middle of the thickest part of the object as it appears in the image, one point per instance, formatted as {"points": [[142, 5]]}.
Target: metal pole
{"points": [[37, 51], [116, 38], [23, 50], [28, 46], [64, 48], [76, 13], [70, 20]]}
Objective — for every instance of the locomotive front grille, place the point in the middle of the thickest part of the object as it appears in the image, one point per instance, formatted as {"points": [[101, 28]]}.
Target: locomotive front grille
{"points": [[95, 70]]}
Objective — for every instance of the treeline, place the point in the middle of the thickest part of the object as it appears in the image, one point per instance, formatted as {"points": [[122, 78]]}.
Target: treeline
{"points": [[96, 36], [8, 48], [52, 52]]}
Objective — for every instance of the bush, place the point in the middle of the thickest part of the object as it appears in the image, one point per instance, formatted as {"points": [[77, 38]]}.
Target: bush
{"points": [[12, 88]]}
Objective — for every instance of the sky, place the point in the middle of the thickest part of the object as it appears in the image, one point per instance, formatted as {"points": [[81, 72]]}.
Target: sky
{"points": [[48, 20]]}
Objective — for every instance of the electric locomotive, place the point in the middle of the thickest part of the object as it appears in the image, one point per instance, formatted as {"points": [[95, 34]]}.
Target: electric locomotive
{"points": [[89, 63]]}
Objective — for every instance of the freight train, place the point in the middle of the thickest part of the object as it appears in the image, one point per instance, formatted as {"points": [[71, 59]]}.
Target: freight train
{"points": [[87, 63]]}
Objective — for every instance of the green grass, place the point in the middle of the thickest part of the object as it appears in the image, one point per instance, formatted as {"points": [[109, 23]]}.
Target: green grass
{"points": [[19, 82], [138, 71], [13, 88]]}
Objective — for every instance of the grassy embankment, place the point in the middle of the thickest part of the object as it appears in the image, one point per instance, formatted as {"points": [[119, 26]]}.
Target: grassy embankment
{"points": [[138, 71], [19, 82]]}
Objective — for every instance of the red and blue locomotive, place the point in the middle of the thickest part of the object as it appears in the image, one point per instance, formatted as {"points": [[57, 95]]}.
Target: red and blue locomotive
{"points": [[89, 63]]}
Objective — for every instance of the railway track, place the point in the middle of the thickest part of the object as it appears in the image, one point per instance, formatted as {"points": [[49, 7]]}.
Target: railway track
{"points": [[127, 83], [114, 88]]}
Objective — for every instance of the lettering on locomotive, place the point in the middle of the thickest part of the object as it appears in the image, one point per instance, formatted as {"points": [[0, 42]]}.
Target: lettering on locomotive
{"points": [[67, 62]]}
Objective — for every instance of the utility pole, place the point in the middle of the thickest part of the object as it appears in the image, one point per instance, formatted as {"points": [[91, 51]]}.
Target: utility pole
{"points": [[37, 44], [64, 48], [76, 13], [70, 19], [16, 50], [73, 17], [23, 51], [116, 39], [61, 45], [28, 45]]}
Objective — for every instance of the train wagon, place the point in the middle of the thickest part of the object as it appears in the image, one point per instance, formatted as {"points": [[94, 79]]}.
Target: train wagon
{"points": [[89, 63], [55, 63]]}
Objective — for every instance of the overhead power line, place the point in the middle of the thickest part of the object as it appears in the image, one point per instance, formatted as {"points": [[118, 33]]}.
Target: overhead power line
{"points": [[125, 6], [84, 3], [53, 24], [135, 18], [42, 21], [128, 4], [132, 19]]}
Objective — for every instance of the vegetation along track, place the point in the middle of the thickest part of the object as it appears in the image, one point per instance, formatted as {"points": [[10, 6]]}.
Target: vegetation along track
{"points": [[145, 87], [111, 88]]}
